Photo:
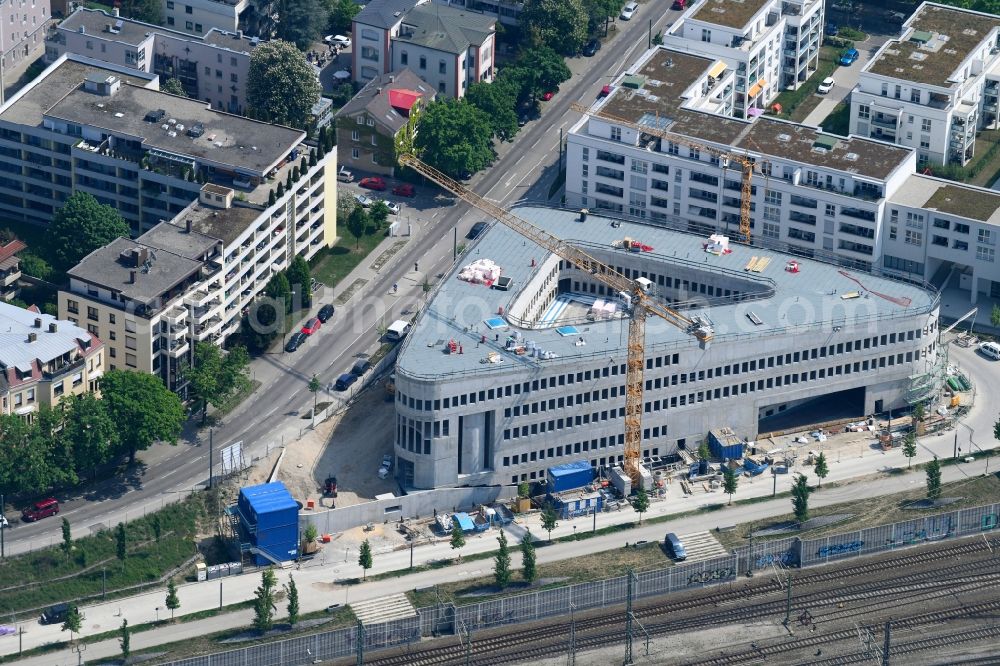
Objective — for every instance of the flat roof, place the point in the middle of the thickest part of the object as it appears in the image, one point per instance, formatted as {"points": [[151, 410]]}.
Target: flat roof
{"points": [[95, 22], [174, 238], [935, 194], [15, 325], [225, 224], [933, 62], [459, 309], [103, 267], [668, 73], [728, 13]]}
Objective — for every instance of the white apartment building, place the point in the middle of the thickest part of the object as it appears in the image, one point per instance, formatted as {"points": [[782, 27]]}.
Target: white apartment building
{"points": [[198, 17], [934, 87], [446, 47], [813, 194], [770, 44], [507, 12], [212, 67], [22, 28]]}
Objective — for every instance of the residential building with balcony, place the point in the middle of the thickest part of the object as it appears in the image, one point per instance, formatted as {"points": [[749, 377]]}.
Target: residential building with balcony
{"points": [[367, 125], [10, 269], [43, 360], [933, 88], [812, 194], [23, 28], [507, 12], [448, 48], [199, 17], [193, 278], [771, 45], [212, 67]]}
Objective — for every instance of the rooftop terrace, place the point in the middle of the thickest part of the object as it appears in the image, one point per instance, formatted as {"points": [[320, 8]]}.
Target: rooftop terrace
{"points": [[974, 203], [728, 13], [459, 309], [165, 271]]}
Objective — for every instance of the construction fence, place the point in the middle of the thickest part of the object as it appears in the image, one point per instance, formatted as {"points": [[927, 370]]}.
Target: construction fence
{"points": [[450, 620]]}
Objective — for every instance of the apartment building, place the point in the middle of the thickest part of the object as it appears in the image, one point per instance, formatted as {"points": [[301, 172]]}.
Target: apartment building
{"points": [[367, 125], [813, 194], [771, 45], [212, 67], [192, 279], [199, 17], [933, 88], [497, 390], [22, 28], [43, 360], [10, 269], [448, 48], [507, 12]]}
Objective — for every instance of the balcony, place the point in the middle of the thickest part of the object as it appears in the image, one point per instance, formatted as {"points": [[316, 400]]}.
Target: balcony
{"points": [[801, 218], [803, 202], [855, 230], [857, 213], [178, 348], [885, 121], [701, 195], [613, 174]]}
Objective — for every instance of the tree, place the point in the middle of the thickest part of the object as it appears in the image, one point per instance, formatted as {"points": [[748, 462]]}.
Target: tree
{"points": [[562, 22], [918, 412], [157, 524], [342, 13], [73, 622], [365, 558], [528, 569], [933, 470], [729, 482], [310, 533], [281, 86], [67, 536], [81, 226], [378, 216], [34, 266], [800, 498], [27, 459], [549, 518], [263, 602], [640, 502], [995, 316], [704, 453], [172, 602], [125, 639], [300, 279], [524, 489], [302, 22], [148, 11], [121, 543], [658, 39], [278, 289], [910, 447], [143, 408], [90, 428], [498, 101], [293, 601], [357, 223], [501, 566], [174, 87], [214, 376], [821, 469], [314, 387], [457, 538], [548, 67], [455, 137]]}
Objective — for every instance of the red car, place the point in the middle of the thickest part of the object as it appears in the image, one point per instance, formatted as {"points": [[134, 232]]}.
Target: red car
{"points": [[547, 96], [404, 190], [373, 183], [311, 326], [41, 509], [605, 91]]}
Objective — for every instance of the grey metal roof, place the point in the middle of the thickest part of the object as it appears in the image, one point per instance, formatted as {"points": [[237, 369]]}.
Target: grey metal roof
{"points": [[15, 325], [374, 98], [446, 29], [458, 309], [384, 13]]}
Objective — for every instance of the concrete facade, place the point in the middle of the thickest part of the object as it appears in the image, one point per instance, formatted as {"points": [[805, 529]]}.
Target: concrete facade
{"points": [[22, 28]]}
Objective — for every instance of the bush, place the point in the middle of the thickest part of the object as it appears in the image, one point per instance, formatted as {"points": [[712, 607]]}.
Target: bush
{"points": [[35, 267]]}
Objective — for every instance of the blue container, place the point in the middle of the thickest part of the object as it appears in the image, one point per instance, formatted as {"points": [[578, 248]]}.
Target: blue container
{"points": [[271, 516], [724, 448], [569, 476]]}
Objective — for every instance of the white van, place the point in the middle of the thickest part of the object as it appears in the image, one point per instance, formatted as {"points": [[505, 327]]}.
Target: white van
{"points": [[990, 350], [397, 330]]}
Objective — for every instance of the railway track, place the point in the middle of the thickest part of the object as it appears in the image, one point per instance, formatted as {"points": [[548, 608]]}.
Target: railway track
{"points": [[531, 643]]}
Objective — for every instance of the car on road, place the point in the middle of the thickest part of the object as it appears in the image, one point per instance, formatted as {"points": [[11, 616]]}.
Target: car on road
{"points": [[605, 91], [628, 11], [360, 367], [404, 190], [311, 326], [674, 547], [365, 202], [990, 350], [385, 467], [345, 176], [591, 47], [825, 86], [345, 381], [547, 96], [476, 231], [340, 41], [392, 206], [679, 5], [325, 313], [40, 509], [295, 341], [372, 183], [55, 614], [848, 57]]}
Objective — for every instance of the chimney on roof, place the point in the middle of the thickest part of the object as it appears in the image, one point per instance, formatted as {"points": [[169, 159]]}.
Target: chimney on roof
{"points": [[38, 322], [53, 327], [392, 78], [131, 277], [32, 337], [239, 34], [187, 225], [379, 90]]}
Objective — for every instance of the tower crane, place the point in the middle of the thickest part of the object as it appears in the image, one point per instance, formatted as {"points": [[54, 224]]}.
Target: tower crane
{"points": [[634, 294], [745, 161]]}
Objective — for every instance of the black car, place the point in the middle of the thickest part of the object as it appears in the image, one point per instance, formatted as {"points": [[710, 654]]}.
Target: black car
{"points": [[476, 231], [55, 614], [361, 366], [325, 313], [295, 341], [345, 381], [591, 47]]}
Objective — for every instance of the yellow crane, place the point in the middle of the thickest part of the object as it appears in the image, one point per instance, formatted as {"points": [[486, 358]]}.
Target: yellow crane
{"points": [[641, 302], [745, 161]]}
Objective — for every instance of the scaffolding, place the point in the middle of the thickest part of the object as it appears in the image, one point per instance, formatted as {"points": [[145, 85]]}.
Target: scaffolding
{"points": [[926, 386]]}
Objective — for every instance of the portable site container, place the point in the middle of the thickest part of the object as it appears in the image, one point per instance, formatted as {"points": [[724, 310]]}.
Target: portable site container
{"points": [[577, 503], [569, 476], [271, 517], [724, 445], [464, 521]]}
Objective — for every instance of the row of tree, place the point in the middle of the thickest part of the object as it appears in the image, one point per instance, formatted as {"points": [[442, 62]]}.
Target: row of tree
{"points": [[284, 293], [565, 24]]}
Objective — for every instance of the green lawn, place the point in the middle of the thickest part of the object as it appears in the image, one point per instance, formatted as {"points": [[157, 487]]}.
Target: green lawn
{"points": [[331, 265], [790, 100], [839, 120]]}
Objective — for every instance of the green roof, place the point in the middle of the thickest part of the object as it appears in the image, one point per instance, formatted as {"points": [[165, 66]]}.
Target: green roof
{"points": [[824, 141], [634, 81], [921, 36]]}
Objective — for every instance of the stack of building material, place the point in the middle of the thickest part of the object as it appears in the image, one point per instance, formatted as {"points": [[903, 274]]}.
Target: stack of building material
{"points": [[481, 271]]}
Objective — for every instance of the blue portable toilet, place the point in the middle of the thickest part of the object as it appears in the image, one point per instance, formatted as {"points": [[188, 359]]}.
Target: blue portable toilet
{"points": [[270, 516]]}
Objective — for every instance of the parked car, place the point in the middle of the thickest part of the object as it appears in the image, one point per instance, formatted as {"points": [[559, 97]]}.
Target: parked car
{"points": [[372, 183], [831, 29], [674, 547], [392, 206], [311, 326], [360, 367], [345, 176], [547, 96], [848, 57], [365, 202], [325, 313], [990, 350], [477, 229], [605, 91], [825, 86], [55, 614], [40, 509], [628, 11], [295, 341], [404, 190], [345, 381], [340, 41], [385, 467], [3, 522], [679, 5], [522, 119], [591, 47]]}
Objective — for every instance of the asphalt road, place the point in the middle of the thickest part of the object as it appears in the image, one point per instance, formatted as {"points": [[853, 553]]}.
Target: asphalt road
{"points": [[524, 171]]}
